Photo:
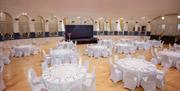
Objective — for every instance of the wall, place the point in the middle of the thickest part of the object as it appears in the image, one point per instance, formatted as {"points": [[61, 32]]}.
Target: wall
{"points": [[170, 22], [106, 12]]}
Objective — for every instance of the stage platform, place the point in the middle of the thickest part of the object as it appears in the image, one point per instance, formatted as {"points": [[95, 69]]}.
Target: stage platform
{"points": [[85, 41]]}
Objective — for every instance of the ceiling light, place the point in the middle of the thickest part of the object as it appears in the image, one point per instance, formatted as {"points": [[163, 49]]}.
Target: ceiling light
{"points": [[143, 17], [162, 17], [101, 18], [24, 13], [178, 16]]}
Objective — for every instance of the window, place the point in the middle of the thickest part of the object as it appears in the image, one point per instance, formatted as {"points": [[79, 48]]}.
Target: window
{"points": [[178, 27], [163, 26]]}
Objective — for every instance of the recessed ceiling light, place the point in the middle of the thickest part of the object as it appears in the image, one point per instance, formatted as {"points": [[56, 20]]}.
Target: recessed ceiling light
{"points": [[162, 17], [24, 13], [143, 17], [101, 18], [78, 17], [178, 16]]}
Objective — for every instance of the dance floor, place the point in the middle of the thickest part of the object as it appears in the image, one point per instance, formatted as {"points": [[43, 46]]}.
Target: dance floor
{"points": [[15, 74]]}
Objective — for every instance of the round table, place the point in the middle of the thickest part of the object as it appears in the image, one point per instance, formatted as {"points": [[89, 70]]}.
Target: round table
{"points": [[61, 77], [155, 43], [105, 42], [176, 47], [138, 66], [66, 45], [64, 56], [142, 45], [125, 48], [98, 50], [23, 49]]}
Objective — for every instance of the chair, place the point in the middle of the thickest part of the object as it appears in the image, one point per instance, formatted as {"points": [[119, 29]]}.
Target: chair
{"points": [[178, 65], [154, 61], [132, 50], [92, 74], [5, 57], [44, 66], [109, 52], [105, 54], [27, 51], [116, 57], [35, 82], [46, 58], [85, 63], [90, 53], [170, 47], [156, 56], [75, 42], [115, 74], [97, 54], [165, 62], [36, 50], [2, 85], [12, 52], [74, 60], [148, 85], [160, 79], [126, 51], [128, 56], [75, 86], [141, 57], [18, 52], [130, 80], [89, 83]]}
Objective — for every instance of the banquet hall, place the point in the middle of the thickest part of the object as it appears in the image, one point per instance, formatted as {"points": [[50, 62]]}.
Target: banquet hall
{"points": [[89, 45]]}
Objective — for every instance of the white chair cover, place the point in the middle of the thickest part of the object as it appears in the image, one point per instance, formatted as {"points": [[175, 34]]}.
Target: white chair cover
{"points": [[35, 82], [2, 85]]}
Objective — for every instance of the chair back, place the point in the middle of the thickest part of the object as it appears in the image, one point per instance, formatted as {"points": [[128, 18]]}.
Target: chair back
{"points": [[44, 66], [31, 77], [85, 63]]}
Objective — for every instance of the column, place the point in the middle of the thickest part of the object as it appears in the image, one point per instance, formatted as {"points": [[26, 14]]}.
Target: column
{"points": [[16, 26], [62, 25], [31, 26], [59, 26], [118, 26], [46, 26]]}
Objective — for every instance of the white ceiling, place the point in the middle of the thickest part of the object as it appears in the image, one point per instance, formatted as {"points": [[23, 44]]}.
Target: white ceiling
{"points": [[93, 8]]}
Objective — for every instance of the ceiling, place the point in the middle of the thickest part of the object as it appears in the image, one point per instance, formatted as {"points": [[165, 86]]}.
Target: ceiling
{"points": [[93, 8]]}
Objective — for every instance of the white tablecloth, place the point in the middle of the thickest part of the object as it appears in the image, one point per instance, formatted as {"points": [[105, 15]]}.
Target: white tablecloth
{"points": [[142, 45], [66, 45], [155, 43], [64, 56], [173, 55], [176, 47], [98, 50], [107, 43], [60, 77], [122, 47], [23, 49], [139, 66]]}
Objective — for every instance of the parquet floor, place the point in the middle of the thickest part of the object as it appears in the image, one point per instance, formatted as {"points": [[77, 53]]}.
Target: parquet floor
{"points": [[15, 74]]}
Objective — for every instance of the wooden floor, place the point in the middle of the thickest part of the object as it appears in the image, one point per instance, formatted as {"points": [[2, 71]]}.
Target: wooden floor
{"points": [[15, 74]]}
